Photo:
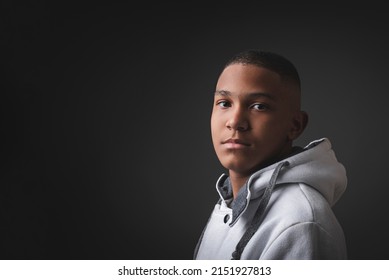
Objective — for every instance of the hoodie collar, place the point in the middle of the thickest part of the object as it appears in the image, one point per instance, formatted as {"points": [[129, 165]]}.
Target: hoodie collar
{"points": [[240, 203]]}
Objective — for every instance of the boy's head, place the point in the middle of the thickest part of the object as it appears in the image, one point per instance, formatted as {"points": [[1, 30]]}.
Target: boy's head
{"points": [[256, 111]]}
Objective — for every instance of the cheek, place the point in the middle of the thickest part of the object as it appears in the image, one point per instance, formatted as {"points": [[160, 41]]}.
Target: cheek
{"points": [[217, 134], [216, 125], [270, 130], [214, 131]]}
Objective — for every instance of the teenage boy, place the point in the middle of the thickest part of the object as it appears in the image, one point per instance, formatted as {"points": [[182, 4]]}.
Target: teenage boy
{"points": [[275, 202]]}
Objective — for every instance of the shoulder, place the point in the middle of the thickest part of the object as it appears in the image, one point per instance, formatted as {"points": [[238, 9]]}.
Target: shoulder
{"points": [[299, 203], [300, 218]]}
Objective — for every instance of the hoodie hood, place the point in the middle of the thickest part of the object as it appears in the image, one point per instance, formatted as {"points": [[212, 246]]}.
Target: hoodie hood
{"points": [[316, 165]]}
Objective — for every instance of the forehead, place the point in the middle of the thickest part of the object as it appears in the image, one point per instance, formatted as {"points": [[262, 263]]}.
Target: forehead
{"points": [[242, 78]]}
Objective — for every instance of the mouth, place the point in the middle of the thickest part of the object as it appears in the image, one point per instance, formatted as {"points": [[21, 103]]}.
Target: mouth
{"points": [[235, 143]]}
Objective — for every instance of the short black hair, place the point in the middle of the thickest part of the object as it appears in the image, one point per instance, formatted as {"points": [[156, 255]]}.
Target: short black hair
{"points": [[269, 60]]}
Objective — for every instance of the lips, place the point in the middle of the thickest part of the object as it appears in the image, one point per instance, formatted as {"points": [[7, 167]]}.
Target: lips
{"points": [[235, 143]]}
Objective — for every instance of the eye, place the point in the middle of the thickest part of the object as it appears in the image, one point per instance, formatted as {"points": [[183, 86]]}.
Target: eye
{"points": [[259, 106], [223, 104]]}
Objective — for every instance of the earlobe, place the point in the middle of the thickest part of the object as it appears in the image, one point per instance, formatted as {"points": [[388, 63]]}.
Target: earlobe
{"points": [[300, 121]]}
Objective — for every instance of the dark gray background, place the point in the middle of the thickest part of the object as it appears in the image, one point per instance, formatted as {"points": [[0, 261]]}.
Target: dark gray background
{"points": [[105, 120]]}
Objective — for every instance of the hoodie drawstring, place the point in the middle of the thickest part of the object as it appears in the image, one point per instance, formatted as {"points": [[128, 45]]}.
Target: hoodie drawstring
{"points": [[257, 220]]}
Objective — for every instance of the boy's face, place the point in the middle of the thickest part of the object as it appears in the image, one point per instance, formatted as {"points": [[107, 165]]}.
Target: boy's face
{"points": [[252, 122]]}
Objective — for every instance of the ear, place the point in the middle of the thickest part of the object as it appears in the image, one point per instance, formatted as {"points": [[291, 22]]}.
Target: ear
{"points": [[299, 123]]}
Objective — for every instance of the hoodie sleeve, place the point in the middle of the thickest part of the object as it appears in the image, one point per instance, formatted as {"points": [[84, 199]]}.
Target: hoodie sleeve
{"points": [[307, 241]]}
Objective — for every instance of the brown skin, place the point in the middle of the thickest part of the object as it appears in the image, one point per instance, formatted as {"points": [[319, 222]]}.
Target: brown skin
{"points": [[255, 118]]}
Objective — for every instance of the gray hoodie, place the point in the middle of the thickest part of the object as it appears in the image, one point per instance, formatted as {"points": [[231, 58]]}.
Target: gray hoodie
{"points": [[282, 212]]}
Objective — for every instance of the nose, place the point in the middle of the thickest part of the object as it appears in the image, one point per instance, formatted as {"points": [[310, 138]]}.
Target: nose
{"points": [[237, 120]]}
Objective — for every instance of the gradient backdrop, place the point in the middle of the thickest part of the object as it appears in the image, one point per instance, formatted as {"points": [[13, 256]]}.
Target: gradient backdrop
{"points": [[106, 146]]}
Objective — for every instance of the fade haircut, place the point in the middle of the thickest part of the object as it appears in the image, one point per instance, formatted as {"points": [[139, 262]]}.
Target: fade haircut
{"points": [[268, 60]]}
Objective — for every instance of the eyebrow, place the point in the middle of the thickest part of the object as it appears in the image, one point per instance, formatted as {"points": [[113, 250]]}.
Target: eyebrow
{"points": [[227, 93]]}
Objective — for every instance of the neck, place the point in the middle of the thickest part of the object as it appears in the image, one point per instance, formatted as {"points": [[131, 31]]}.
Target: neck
{"points": [[237, 181]]}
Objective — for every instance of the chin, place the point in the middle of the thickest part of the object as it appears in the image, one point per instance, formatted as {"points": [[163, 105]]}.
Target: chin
{"points": [[237, 167]]}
